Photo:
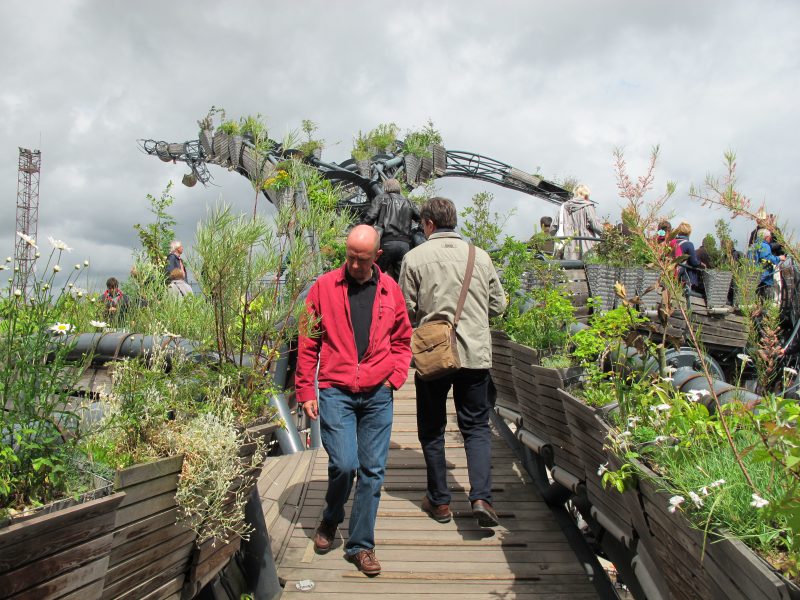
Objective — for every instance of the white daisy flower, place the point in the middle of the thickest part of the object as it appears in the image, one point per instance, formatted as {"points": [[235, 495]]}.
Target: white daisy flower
{"points": [[758, 501], [86, 263], [661, 407], [717, 483], [675, 502], [77, 267], [28, 239], [56, 268], [698, 501], [603, 468], [743, 357], [99, 324], [790, 371], [704, 490], [58, 244], [660, 439], [670, 370], [61, 328], [18, 293]]}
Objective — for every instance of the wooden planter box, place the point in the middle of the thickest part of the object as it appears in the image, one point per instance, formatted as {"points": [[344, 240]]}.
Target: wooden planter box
{"points": [[551, 416], [717, 284], [63, 554], [728, 570], [502, 377], [589, 433], [221, 148], [150, 552], [412, 164]]}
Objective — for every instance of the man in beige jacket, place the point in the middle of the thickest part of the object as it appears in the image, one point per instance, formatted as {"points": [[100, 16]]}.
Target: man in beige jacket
{"points": [[431, 278]]}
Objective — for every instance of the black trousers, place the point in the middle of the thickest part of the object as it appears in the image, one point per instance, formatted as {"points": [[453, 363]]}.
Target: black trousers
{"points": [[470, 393], [392, 257]]}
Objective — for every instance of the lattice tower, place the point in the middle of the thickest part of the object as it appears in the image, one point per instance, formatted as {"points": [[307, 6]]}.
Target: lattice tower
{"points": [[30, 163]]}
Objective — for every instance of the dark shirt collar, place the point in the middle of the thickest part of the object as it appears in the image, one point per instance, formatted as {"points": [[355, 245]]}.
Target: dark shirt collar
{"points": [[372, 280]]}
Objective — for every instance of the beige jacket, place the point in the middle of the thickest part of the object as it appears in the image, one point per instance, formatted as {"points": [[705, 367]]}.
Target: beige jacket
{"points": [[431, 278]]}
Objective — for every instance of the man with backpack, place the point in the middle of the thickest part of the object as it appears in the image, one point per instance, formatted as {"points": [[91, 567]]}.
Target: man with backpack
{"points": [[761, 252], [391, 214]]}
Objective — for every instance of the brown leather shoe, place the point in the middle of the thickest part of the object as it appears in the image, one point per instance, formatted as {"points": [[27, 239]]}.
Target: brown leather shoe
{"points": [[324, 536], [485, 514], [366, 562], [437, 512]]}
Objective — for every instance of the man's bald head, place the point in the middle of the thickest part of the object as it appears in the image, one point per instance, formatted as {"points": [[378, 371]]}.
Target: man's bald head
{"points": [[364, 237], [362, 248]]}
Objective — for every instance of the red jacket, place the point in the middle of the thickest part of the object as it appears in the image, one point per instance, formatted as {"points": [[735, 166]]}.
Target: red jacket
{"points": [[388, 355]]}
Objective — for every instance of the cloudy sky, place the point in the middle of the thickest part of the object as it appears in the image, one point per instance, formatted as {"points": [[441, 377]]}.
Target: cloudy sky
{"points": [[548, 85]]}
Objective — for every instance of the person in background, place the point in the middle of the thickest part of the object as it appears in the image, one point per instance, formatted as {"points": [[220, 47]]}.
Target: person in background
{"points": [[664, 229], [548, 245], [359, 334], [577, 218], [431, 279], [761, 253], [177, 284], [174, 260], [680, 244], [392, 215], [114, 300]]}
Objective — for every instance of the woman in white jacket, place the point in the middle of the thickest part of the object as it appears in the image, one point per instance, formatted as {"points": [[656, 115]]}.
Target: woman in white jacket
{"points": [[577, 218]]}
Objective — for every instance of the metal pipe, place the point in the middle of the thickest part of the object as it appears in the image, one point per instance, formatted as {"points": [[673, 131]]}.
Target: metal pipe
{"points": [[288, 437], [508, 414]]}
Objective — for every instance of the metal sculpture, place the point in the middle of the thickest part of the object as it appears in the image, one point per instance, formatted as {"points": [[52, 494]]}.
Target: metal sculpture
{"points": [[360, 183]]}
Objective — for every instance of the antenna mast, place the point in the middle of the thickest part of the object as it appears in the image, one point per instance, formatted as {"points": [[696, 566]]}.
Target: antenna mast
{"points": [[30, 163]]}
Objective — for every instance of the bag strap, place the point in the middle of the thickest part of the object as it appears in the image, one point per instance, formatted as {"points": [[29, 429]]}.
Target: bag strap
{"points": [[465, 285]]}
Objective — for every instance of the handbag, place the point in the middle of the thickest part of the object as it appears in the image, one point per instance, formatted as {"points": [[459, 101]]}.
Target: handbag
{"points": [[433, 344]]}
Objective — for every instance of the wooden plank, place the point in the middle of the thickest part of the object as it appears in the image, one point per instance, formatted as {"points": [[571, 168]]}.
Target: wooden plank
{"points": [[16, 540], [140, 564], [66, 583], [144, 509], [16, 555], [150, 576], [140, 473], [36, 573], [144, 526], [154, 539], [148, 489]]}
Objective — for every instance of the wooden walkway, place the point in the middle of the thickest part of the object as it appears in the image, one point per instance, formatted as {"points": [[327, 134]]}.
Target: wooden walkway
{"points": [[527, 557]]}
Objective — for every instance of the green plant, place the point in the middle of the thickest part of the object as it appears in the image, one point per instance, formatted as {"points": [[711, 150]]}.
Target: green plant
{"points": [[714, 253], [541, 319], [155, 237], [230, 128], [361, 147], [480, 224], [38, 424], [418, 142], [384, 137]]}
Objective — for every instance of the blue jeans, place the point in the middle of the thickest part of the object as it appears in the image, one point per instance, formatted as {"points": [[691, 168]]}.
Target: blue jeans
{"points": [[471, 396], [356, 429]]}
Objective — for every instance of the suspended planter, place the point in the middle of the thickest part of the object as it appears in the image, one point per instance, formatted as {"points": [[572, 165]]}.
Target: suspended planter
{"points": [[439, 159], [189, 180], [236, 150], [717, 285], [255, 171], [207, 142], [364, 167], [221, 148], [162, 151], [412, 165], [601, 280]]}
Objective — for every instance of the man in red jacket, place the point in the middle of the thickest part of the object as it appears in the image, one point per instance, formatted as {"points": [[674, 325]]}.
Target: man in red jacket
{"points": [[359, 333]]}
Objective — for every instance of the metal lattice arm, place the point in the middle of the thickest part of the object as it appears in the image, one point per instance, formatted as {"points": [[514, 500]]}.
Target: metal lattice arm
{"points": [[476, 166]]}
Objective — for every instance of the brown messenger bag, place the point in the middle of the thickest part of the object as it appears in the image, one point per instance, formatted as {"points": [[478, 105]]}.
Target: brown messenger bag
{"points": [[434, 344]]}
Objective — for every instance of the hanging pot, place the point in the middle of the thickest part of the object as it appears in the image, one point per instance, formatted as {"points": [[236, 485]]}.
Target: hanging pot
{"points": [[236, 150], [412, 164], [717, 284], [189, 180]]}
